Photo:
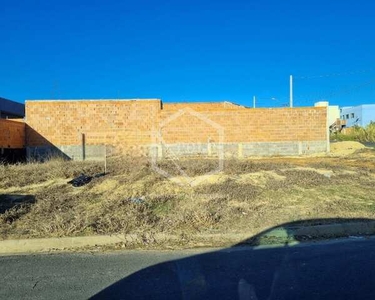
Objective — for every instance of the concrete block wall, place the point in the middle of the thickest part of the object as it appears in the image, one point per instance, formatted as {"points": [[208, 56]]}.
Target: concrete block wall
{"points": [[12, 134], [80, 129]]}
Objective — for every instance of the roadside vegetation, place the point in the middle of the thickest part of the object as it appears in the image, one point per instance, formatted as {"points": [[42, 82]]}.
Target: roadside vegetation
{"points": [[357, 133], [248, 196]]}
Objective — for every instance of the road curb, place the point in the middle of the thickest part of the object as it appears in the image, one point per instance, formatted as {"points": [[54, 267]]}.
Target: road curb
{"points": [[72, 243], [48, 244], [279, 233]]}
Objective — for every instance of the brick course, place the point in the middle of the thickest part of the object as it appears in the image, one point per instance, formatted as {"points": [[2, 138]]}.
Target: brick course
{"points": [[246, 125], [127, 125], [121, 123]]}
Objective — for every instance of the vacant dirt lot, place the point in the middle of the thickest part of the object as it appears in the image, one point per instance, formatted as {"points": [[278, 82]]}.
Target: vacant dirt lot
{"points": [[247, 197]]}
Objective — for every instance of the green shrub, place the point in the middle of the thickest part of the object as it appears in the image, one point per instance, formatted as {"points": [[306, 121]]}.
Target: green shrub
{"points": [[360, 134]]}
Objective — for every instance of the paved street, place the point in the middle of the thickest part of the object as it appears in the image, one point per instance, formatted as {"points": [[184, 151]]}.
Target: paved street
{"points": [[338, 269], [71, 276]]}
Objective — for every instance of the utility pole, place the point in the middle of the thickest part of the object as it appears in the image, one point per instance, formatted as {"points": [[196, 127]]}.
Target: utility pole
{"points": [[254, 99], [291, 91]]}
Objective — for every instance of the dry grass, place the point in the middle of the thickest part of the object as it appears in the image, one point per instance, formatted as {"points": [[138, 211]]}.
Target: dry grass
{"points": [[247, 197], [20, 175]]}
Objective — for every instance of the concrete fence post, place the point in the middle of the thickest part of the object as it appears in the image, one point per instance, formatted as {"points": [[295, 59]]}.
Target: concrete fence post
{"points": [[83, 146], [160, 151], [240, 150], [299, 148], [105, 158], [328, 132], [209, 149]]}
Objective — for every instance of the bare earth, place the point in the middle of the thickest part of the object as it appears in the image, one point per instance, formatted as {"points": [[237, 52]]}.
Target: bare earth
{"points": [[246, 197]]}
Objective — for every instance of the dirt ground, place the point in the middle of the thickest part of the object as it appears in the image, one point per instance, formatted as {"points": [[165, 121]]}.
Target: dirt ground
{"points": [[246, 197]]}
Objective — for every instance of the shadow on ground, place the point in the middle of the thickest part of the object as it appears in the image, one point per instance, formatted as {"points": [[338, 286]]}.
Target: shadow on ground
{"points": [[292, 269], [8, 201]]}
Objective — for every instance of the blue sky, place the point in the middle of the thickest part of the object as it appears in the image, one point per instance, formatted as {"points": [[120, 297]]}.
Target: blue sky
{"points": [[189, 50]]}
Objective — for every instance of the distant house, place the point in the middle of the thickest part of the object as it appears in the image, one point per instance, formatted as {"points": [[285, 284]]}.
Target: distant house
{"points": [[360, 115], [11, 109]]}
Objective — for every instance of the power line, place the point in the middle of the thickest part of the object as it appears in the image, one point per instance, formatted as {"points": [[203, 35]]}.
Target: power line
{"points": [[337, 74], [337, 92]]}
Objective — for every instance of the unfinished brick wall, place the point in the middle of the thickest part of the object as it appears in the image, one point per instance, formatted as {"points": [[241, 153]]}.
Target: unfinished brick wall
{"points": [[125, 125], [246, 125], [140, 125], [12, 134], [244, 131]]}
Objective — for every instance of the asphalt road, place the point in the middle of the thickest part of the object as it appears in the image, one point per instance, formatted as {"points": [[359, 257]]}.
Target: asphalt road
{"points": [[72, 276], [329, 270]]}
